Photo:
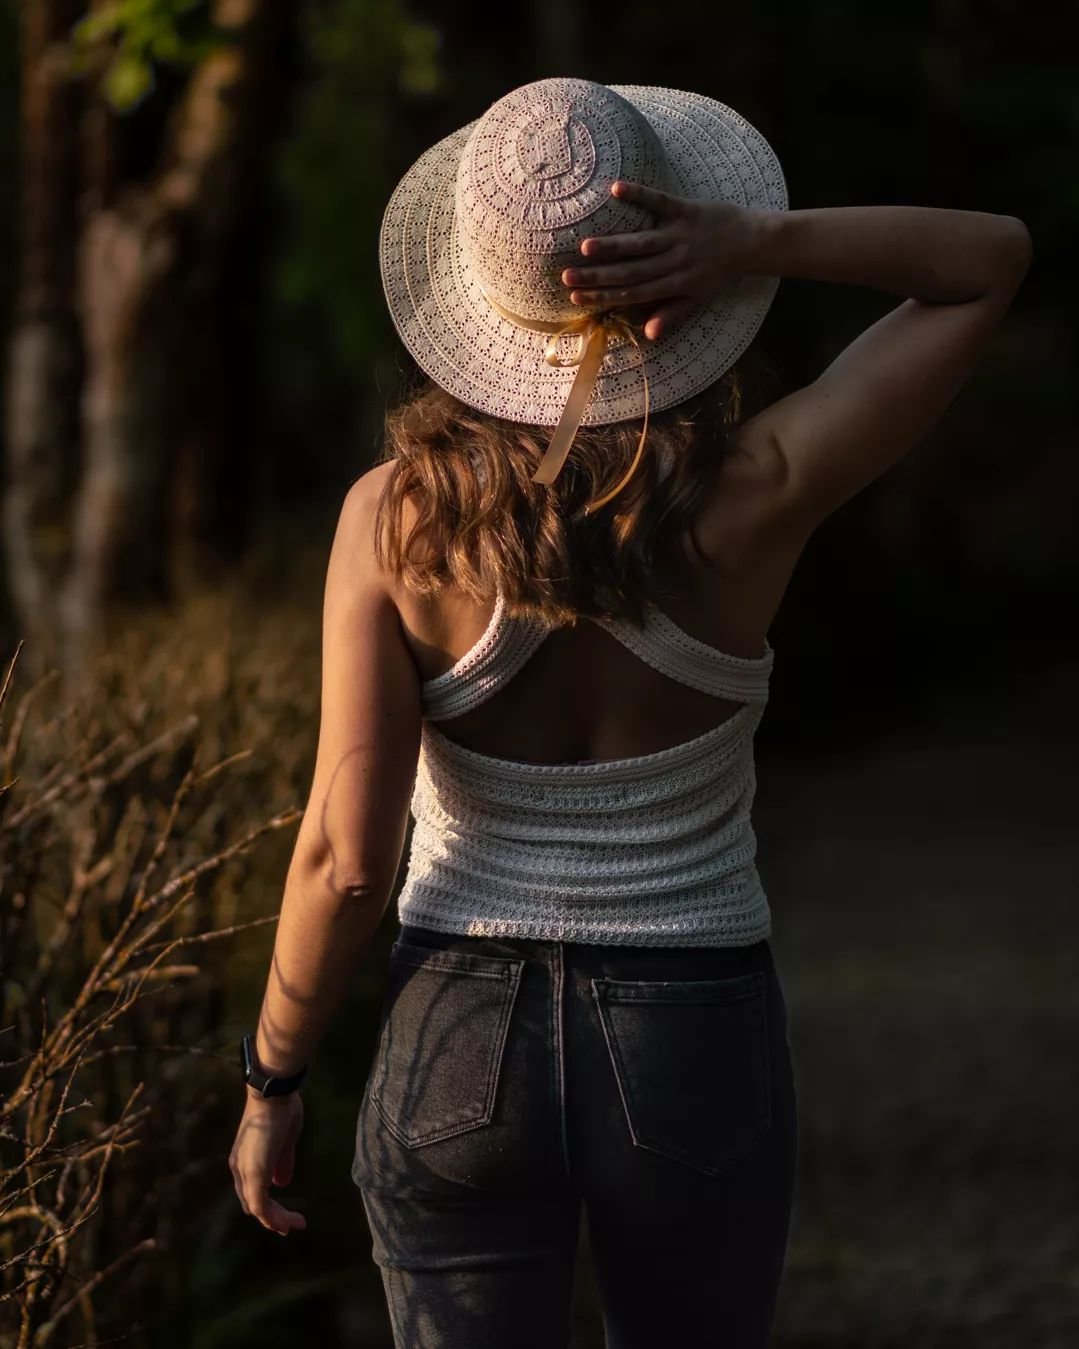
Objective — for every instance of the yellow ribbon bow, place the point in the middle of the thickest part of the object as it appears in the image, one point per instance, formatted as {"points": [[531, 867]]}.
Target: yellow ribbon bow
{"points": [[594, 332]]}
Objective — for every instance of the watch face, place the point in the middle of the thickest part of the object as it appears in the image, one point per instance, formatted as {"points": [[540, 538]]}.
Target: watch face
{"points": [[263, 1082], [246, 1058]]}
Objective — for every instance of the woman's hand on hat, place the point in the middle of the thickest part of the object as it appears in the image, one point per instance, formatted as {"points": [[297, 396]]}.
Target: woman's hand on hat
{"points": [[694, 247]]}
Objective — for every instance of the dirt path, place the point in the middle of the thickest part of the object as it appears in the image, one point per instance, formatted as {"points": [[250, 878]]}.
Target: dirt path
{"points": [[925, 897]]}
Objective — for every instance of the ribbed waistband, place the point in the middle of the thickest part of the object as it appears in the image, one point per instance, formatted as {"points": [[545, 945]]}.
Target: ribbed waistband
{"points": [[697, 918]]}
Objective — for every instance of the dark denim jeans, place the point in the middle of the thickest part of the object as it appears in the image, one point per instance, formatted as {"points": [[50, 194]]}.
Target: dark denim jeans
{"points": [[515, 1080]]}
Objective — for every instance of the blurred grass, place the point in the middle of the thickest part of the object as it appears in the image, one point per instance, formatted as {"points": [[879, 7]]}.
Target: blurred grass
{"points": [[926, 927]]}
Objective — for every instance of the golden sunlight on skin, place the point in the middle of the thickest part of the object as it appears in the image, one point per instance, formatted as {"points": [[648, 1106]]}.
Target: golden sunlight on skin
{"points": [[348, 848]]}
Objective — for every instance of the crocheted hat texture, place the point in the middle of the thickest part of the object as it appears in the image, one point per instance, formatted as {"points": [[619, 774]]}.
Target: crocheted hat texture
{"points": [[484, 223]]}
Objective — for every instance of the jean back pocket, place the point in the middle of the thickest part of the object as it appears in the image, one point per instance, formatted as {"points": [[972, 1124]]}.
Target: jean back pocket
{"points": [[692, 1062], [444, 1024]]}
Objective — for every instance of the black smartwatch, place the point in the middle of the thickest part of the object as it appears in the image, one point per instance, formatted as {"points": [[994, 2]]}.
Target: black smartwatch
{"points": [[265, 1083]]}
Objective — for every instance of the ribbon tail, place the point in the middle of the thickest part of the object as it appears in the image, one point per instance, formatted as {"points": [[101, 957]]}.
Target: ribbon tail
{"points": [[607, 496], [580, 391]]}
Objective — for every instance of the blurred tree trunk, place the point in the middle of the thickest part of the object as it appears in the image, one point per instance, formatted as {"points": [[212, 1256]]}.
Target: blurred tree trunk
{"points": [[159, 508], [45, 346], [160, 502]]}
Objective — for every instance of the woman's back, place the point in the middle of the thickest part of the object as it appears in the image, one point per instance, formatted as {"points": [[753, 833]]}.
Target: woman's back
{"points": [[582, 695], [593, 781]]}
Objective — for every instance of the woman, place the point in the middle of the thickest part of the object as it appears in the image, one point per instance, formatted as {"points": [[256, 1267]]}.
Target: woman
{"points": [[553, 645]]}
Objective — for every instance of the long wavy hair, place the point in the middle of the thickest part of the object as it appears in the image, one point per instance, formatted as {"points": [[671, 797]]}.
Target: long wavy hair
{"points": [[480, 524]]}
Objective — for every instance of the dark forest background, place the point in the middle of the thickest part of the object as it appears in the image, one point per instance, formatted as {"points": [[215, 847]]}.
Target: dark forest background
{"points": [[197, 358]]}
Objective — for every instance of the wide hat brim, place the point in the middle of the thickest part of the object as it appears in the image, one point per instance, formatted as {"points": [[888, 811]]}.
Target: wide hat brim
{"points": [[490, 363]]}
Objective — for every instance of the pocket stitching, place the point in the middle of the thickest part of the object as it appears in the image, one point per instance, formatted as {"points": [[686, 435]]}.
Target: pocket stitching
{"points": [[618, 1065], [455, 962], [721, 991], [512, 978]]}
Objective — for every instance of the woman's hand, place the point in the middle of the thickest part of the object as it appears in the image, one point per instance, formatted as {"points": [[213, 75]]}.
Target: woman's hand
{"points": [[264, 1152], [683, 260]]}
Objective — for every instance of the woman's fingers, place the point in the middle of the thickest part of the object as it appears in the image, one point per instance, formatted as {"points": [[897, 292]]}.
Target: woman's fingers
{"points": [[613, 247], [661, 288], [264, 1154], [647, 265], [651, 198], [268, 1211], [621, 273], [664, 317], [238, 1185]]}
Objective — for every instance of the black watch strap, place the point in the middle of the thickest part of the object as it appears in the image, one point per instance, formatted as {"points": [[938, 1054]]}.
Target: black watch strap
{"points": [[265, 1083]]}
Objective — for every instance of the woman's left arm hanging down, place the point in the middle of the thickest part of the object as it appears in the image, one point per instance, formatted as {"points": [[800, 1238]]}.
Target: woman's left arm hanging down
{"points": [[349, 845]]}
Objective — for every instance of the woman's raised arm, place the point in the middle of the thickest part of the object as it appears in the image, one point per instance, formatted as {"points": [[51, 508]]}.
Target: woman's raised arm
{"points": [[959, 271], [819, 445]]}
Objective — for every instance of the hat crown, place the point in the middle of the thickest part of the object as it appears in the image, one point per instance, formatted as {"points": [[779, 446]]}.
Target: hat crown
{"points": [[534, 180]]}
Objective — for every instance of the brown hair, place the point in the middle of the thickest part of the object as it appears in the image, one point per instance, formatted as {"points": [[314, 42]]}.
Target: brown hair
{"points": [[481, 523]]}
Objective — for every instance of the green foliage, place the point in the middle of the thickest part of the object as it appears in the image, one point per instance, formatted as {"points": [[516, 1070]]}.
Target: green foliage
{"points": [[419, 58], [136, 35]]}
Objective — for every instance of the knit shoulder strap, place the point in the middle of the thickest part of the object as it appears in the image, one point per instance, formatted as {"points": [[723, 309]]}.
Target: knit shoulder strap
{"points": [[508, 641], [504, 646], [673, 652]]}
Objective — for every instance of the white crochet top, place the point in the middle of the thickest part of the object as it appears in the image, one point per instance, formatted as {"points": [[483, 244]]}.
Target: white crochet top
{"points": [[653, 850]]}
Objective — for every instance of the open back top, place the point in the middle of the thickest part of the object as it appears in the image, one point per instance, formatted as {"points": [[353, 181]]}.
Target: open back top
{"points": [[656, 849]]}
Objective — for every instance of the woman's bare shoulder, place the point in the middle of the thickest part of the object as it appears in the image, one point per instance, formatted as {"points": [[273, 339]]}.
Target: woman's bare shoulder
{"points": [[356, 528], [367, 488], [747, 531], [361, 505], [425, 617], [743, 523]]}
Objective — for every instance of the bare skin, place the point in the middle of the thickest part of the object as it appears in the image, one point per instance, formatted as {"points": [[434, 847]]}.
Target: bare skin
{"points": [[582, 696]]}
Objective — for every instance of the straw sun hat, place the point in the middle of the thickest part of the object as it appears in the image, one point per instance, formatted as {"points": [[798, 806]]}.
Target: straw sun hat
{"points": [[479, 230]]}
